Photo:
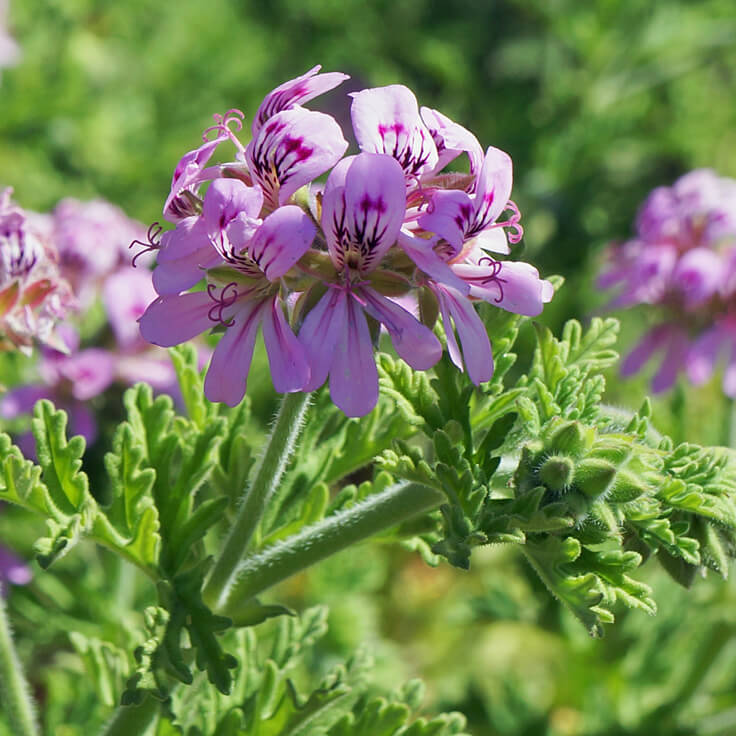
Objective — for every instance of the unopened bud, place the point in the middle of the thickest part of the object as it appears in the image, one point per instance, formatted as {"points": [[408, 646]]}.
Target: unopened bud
{"points": [[556, 472], [570, 438], [627, 487], [593, 476]]}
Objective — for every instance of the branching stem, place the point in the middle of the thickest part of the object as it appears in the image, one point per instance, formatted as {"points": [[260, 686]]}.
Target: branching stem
{"points": [[256, 497], [333, 534]]}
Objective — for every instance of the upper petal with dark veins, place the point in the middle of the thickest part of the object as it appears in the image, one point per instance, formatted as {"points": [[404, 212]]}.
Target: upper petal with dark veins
{"points": [[295, 92], [493, 189], [451, 140], [293, 148], [362, 218], [386, 120], [282, 239], [188, 173]]}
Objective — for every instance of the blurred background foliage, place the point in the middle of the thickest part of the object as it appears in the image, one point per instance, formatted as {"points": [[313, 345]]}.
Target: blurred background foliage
{"points": [[597, 102]]}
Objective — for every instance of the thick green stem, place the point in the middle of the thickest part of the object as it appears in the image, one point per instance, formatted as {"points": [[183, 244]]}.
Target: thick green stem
{"points": [[343, 529], [133, 719], [14, 693], [256, 497]]}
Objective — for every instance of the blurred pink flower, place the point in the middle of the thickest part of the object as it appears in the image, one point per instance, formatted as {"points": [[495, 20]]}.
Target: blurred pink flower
{"points": [[682, 262]]}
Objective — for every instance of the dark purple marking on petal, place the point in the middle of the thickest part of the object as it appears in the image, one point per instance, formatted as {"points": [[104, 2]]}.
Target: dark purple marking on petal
{"points": [[291, 149], [295, 92]]}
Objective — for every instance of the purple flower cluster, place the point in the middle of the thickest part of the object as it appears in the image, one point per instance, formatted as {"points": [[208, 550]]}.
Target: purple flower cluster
{"points": [[388, 226], [683, 261], [91, 241], [34, 296]]}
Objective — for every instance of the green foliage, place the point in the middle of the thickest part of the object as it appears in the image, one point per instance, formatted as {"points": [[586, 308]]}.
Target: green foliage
{"points": [[593, 493], [266, 699]]}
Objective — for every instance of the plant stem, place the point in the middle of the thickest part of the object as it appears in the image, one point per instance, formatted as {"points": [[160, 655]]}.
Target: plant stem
{"points": [[731, 438], [133, 719], [268, 475], [333, 534], [14, 693]]}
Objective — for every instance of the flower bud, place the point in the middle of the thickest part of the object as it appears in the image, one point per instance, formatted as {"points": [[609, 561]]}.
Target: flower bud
{"points": [[593, 476], [557, 472], [570, 438], [627, 487]]}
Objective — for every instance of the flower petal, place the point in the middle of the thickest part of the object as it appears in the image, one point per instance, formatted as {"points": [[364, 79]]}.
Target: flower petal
{"points": [[386, 120], [293, 148], [493, 189], [21, 400], [451, 140], [353, 374], [178, 275], [420, 251], [225, 200], [320, 332], [189, 172], [375, 199], [296, 92], [652, 341], [449, 215], [12, 570], [282, 239], [171, 320], [89, 371], [286, 355], [477, 354], [126, 294], [673, 362], [412, 340], [704, 354], [698, 274], [512, 285], [184, 252], [492, 239], [227, 375], [158, 371], [729, 375]]}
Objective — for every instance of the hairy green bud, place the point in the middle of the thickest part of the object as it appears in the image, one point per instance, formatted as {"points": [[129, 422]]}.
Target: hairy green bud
{"points": [[593, 476], [627, 487], [570, 438], [557, 472]]}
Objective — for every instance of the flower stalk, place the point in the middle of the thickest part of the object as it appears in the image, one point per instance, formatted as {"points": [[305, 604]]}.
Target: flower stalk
{"points": [[331, 535], [256, 497], [17, 706]]}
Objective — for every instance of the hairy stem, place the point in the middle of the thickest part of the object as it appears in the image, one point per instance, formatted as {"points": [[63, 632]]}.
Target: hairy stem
{"points": [[17, 706], [133, 719], [256, 497], [343, 529]]}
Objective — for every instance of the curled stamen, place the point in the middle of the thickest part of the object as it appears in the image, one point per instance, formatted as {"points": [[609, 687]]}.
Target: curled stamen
{"points": [[496, 267], [228, 124], [222, 302], [154, 241], [516, 231]]}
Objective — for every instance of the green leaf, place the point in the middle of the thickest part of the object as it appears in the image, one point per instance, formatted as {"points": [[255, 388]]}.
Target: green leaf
{"points": [[106, 665], [67, 484], [186, 364], [132, 514]]}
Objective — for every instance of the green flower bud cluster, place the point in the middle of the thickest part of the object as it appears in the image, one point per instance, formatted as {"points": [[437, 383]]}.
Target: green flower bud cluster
{"points": [[582, 469]]}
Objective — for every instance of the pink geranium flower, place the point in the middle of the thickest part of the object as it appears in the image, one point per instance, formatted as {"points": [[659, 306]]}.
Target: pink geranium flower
{"points": [[362, 213], [277, 248]]}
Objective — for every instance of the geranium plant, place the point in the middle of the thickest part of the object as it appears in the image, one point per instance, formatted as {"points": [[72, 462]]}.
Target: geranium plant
{"points": [[394, 280]]}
